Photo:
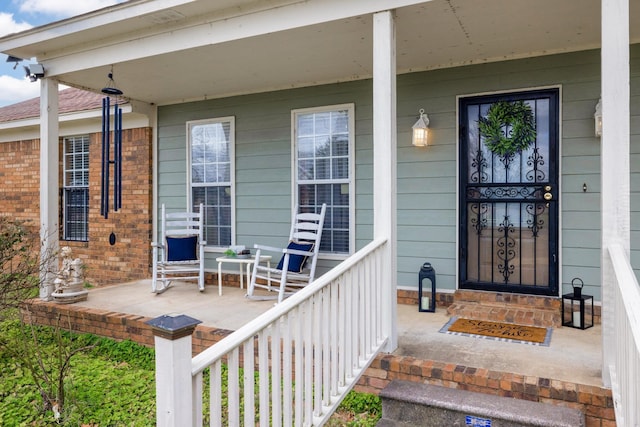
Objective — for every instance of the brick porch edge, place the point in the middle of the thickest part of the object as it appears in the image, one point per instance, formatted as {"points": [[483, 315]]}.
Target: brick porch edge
{"points": [[595, 402]]}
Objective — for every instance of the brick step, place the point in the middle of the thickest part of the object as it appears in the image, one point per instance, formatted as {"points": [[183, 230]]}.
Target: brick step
{"points": [[511, 308], [410, 404]]}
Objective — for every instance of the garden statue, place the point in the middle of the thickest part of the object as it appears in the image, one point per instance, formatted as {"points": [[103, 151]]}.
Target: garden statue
{"points": [[69, 283]]}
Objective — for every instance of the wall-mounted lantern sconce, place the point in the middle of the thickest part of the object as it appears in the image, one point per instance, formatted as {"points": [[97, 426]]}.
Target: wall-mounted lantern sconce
{"points": [[597, 116], [421, 130], [34, 71]]}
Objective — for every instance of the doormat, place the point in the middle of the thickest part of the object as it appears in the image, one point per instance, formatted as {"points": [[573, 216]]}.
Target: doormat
{"points": [[532, 335]]}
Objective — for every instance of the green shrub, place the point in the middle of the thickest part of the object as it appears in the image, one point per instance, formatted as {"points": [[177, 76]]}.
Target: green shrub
{"points": [[113, 384], [357, 410]]}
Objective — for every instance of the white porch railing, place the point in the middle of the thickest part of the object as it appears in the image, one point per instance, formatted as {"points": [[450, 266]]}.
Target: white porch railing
{"points": [[625, 371], [293, 365]]}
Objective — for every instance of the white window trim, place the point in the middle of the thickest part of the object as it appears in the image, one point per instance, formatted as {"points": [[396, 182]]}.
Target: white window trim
{"points": [[232, 172], [351, 181], [65, 186]]}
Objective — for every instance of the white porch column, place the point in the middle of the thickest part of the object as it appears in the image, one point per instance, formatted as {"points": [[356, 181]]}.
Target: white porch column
{"points": [[49, 160], [384, 161], [174, 395], [614, 158]]}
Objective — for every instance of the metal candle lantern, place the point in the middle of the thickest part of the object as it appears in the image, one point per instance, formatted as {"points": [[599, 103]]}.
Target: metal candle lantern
{"points": [[577, 308], [426, 297]]}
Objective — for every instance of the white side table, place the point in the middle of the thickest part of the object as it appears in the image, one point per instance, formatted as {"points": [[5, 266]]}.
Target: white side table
{"points": [[235, 260]]}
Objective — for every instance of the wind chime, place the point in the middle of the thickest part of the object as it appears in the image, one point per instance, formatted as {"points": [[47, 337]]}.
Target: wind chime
{"points": [[107, 161]]}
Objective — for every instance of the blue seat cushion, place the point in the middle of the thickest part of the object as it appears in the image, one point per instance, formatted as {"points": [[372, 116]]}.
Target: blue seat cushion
{"points": [[296, 262], [182, 248]]}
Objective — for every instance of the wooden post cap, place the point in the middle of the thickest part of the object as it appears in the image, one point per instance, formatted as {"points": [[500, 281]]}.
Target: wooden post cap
{"points": [[173, 327]]}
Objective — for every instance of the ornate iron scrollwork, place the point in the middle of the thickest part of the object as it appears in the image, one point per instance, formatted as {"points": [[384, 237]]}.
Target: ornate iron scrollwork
{"points": [[535, 174], [479, 165], [507, 158], [535, 223], [505, 249], [479, 219], [504, 193]]}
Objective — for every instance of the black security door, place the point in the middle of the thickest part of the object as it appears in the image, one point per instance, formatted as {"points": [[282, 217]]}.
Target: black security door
{"points": [[509, 200]]}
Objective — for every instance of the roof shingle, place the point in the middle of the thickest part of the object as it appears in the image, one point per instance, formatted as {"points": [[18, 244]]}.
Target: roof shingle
{"points": [[70, 100]]}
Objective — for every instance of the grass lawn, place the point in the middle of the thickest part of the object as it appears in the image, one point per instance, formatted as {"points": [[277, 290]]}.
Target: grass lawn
{"points": [[112, 384]]}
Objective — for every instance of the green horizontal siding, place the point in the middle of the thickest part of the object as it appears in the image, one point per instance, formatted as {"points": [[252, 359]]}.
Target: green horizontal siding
{"points": [[262, 154], [426, 185]]}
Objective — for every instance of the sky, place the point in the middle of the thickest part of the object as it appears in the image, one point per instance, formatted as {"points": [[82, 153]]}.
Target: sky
{"points": [[21, 15]]}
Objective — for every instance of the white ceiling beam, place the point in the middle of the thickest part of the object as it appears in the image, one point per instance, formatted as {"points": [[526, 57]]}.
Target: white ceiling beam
{"points": [[240, 27]]}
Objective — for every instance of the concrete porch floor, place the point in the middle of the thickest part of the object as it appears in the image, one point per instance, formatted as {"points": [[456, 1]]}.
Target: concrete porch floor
{"points": [[573, 355]]}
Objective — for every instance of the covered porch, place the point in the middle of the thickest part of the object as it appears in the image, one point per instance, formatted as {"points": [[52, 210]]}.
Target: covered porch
{"points": [[567, 372], [170, 55], [573, 355]]}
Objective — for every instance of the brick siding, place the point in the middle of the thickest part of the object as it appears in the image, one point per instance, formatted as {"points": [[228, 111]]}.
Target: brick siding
{"points": [[20, 178], [129, 259], [595, 402], [520, 305]]}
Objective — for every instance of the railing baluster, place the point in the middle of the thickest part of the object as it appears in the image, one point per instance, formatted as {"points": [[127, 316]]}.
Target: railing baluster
{"points": [[287, 380], [233, 388], [308, 363], [317, 353], [342, 356], [378, 291], [249, 383], [367, 295], [276, 391], [311, 348], [197, 388], [324, 387], [215, 398], [362, 313], [351, 326], [334, 352], [299, 377], [263, 381]]}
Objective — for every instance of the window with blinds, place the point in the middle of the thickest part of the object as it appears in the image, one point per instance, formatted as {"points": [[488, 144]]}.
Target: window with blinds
{"points": [[211, 169], [76, 188], [323, 146]]}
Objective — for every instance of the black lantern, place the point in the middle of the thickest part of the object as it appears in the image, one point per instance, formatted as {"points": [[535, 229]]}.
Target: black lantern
{"points": [[426, 295], [577, 308]]}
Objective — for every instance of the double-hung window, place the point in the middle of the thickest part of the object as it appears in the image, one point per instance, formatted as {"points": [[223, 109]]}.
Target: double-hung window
{"points": [[76, 188], [211, 148], [323, 140]]}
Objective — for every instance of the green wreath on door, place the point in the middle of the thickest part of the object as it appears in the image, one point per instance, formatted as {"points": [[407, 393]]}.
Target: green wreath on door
{"points": [[508, 128]]}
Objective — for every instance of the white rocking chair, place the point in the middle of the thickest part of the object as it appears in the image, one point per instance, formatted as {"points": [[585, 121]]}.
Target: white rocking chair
{"points": [[297, 267], [180, 254]]}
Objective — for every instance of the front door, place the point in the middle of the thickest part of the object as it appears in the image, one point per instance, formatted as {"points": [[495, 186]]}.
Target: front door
{"points": [[509, 197]]}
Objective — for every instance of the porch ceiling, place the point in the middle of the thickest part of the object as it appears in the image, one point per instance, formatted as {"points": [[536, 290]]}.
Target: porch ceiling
{"points": [[433, 34]]}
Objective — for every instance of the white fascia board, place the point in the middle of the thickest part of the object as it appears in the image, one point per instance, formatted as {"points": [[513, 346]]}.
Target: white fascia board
{"points": [[89, 114], [63, 117], [87, 21], [24, 123], [221, 30], [70, 124]]}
